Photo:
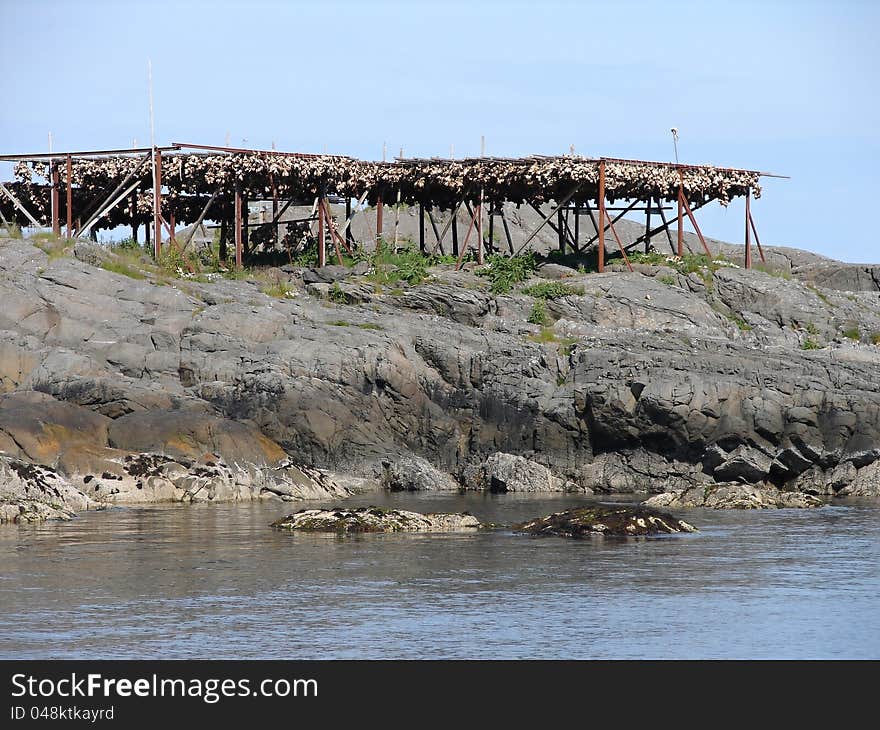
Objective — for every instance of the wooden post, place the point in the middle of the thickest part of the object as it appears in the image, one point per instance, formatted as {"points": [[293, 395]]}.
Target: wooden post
{"points": [[238, 240], [748, 232], [55, 177], [69, 198], [421, 227], [490, 242], [157, 208], [322, 248], [577, 226], [223, 252], [602, 215], [648, 227], [455, 231], [560, 231], [379, 211], [245, 225], [132, 204], [479, 213], [349, 236]]}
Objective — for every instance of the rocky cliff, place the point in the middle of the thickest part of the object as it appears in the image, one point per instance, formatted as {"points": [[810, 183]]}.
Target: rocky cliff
{"points": [[657, 380]]}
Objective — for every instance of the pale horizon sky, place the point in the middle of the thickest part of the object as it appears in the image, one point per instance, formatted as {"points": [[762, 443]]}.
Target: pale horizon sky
{"points": [[780, 86]]}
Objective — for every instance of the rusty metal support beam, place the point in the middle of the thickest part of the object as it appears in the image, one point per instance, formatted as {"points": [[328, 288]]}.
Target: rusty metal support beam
{"points": [[757, 240], [69, 197], [616, 218], [464, 247], [690, 215], [680, 251], [619, 244], [602, 215], [748, 241], [665, 227]]}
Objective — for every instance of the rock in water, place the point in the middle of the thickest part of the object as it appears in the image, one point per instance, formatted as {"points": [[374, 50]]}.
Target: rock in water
{"points": [[32, 493], [734, 496], [623, 520], [374, 519]]}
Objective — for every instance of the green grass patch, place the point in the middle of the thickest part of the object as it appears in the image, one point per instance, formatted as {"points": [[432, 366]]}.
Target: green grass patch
{"points": [[553, 290], [120, 267], [811, 344], [852, 333], [370, 326], [340, 323], [336, 295], [875, 338], [279, 290], [503, 272], [538, 314]]}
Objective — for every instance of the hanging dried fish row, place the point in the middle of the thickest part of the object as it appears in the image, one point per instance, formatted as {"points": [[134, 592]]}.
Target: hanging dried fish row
{"points": [[189, 179]]}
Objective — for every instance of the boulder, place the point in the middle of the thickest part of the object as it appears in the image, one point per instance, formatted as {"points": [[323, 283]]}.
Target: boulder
{"points": [[415, 474], [502, 473]]}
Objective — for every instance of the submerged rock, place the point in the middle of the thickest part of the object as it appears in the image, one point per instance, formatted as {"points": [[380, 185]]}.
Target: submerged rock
{"points": [[734, 496], [374, 519], [623, 520]]}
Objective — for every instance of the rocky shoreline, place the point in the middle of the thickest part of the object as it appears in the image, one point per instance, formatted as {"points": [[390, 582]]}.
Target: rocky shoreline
{"points": [[695, 385]]}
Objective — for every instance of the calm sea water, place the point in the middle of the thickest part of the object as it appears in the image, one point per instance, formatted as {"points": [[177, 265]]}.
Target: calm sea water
{"points": [[214, 581]]}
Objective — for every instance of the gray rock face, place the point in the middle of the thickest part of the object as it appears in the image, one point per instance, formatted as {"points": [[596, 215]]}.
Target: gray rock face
{"points": [[502, 473], [651, 381], [415, 474]]}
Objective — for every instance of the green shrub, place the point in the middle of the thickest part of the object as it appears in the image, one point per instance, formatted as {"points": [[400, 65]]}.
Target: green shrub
{"points": [[336, 294], [545, 336], [875, 338], [503, 272], [539, 313], [852, 333], [552, 290], [810, 344], [812, 328]]}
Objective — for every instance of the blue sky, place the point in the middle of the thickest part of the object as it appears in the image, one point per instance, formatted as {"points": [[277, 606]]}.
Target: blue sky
{"points": [[786, 87]]}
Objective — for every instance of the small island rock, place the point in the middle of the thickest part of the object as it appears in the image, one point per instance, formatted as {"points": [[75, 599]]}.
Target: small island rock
{"points": [[374, 519], [622, 520]]}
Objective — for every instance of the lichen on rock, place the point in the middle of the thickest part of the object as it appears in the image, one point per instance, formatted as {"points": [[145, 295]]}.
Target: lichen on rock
{"points": [[374, 519], [618, 520]]}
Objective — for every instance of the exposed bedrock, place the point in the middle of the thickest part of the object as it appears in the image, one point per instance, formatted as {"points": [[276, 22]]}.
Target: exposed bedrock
{"points": [[655, 381]]}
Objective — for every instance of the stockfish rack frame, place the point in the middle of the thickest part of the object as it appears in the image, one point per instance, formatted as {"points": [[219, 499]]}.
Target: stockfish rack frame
{"points": [[109, 188]]}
